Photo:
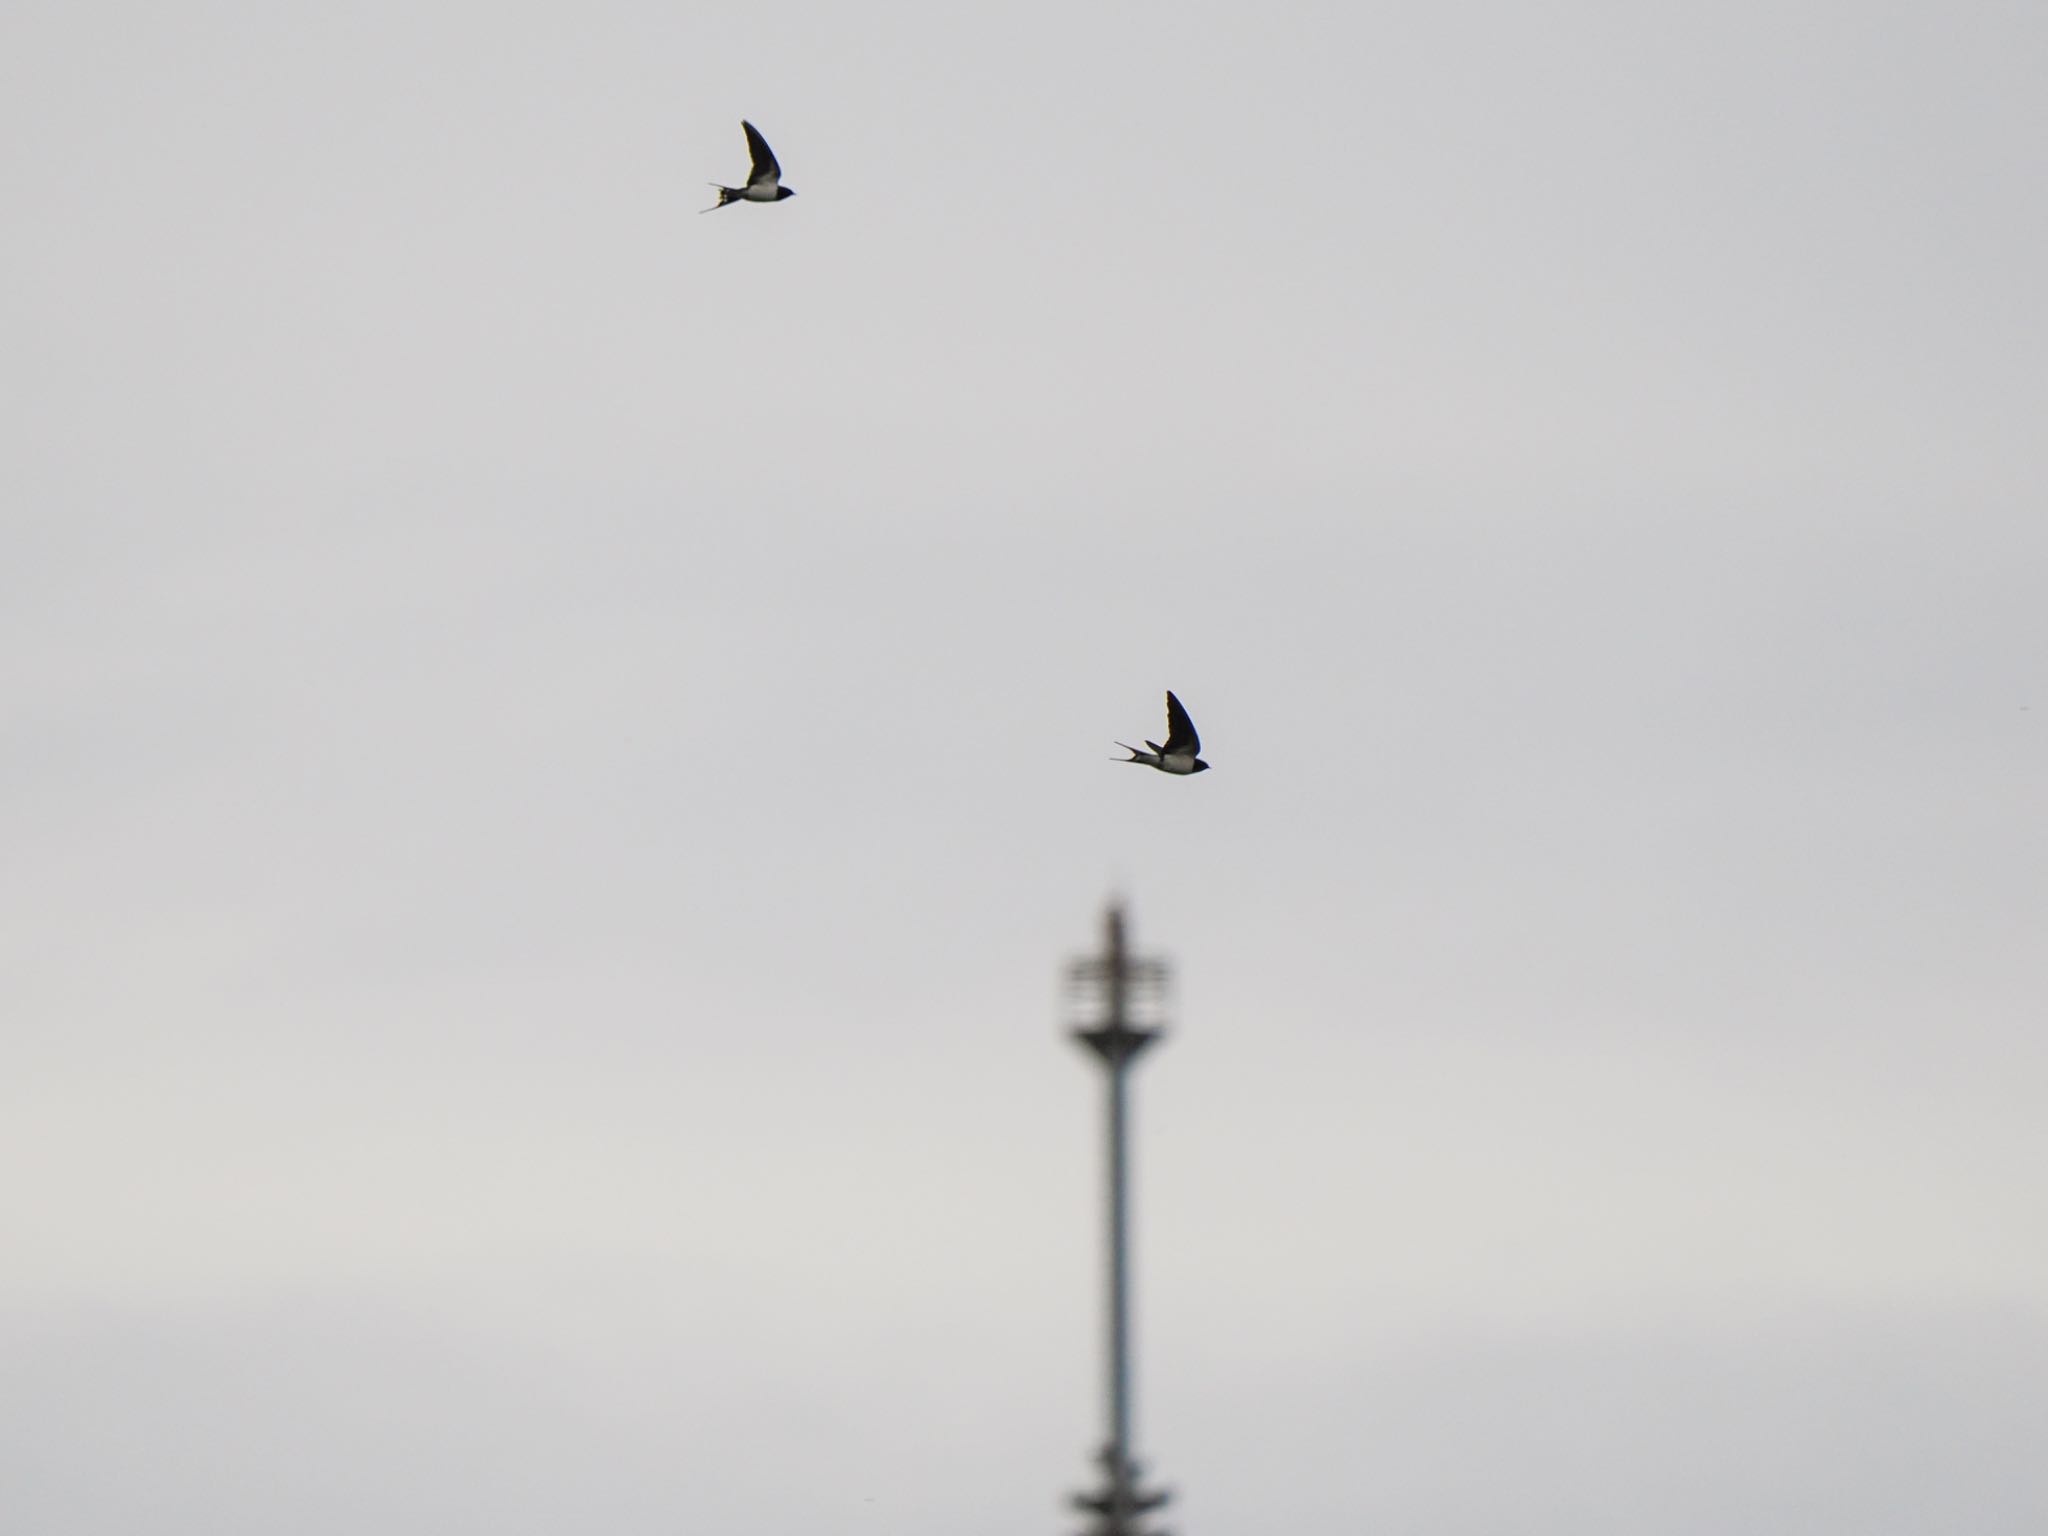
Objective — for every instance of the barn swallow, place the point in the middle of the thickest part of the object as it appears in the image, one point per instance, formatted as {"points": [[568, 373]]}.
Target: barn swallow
{"points": [[764, 181], [1182, 744]]}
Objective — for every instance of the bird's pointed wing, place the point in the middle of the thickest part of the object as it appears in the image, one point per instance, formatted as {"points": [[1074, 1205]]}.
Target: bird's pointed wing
{"points": [[1180, 730], [765, 168]]}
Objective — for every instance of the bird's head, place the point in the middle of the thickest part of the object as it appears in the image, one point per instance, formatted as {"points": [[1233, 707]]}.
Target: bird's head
{"points": [[782, 192], [1200, 767]]}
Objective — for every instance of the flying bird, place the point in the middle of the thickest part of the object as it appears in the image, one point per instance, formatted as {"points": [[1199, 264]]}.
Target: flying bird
{"points": [[764, 181], [1179, 755]]}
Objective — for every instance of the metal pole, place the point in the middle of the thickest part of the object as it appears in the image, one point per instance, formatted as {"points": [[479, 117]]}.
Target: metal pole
{"points": [[1116, 1040], [1117, 1062], [1119, 1276]]}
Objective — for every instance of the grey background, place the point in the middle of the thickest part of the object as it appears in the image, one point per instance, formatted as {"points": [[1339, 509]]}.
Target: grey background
{"points": [[554, 749]]}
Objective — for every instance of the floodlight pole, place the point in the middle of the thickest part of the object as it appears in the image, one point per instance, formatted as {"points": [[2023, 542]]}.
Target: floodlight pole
{"points": [[1115, 989]]}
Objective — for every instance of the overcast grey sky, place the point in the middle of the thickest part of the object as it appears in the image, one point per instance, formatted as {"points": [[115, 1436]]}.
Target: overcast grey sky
{"points": [[552, 750]]}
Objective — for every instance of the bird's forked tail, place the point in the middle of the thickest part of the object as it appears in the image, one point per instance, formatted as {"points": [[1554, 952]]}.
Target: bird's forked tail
{"points": [[725, 195]]}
